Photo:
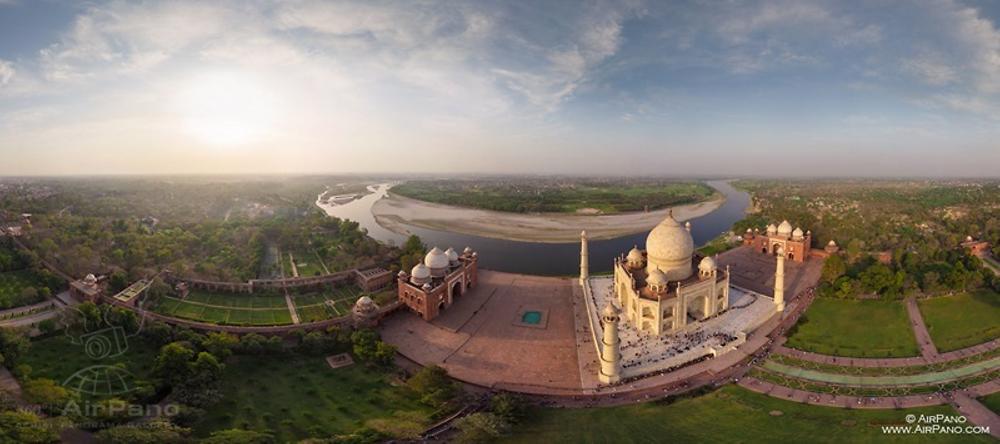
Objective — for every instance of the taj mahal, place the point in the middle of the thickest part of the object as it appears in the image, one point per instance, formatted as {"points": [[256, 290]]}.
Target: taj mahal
{"points": [[658, 289], [667, 306]]}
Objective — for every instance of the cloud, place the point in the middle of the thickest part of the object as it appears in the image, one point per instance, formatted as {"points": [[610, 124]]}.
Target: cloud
{"points": [[6, 72], [931, 70]]}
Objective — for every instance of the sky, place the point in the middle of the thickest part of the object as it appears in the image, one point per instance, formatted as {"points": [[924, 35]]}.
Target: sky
{"points": [[675, 88]]}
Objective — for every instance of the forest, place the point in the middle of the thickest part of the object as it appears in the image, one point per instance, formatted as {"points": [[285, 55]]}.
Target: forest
{"points": [[558, 195], [915, 227]]}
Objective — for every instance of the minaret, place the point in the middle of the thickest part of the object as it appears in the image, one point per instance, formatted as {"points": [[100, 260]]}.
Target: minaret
{"points": [[779, 281], [611, 358], [584, 258]]}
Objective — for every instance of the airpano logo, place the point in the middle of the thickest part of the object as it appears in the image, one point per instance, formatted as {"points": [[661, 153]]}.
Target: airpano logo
{"points": [[103, 333]]}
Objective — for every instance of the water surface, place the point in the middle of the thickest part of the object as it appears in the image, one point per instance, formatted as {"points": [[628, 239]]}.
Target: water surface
{"points": [[537, 257]]}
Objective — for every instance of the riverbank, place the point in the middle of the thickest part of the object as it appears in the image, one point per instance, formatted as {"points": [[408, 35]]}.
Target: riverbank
{"points": [[395, 212]]}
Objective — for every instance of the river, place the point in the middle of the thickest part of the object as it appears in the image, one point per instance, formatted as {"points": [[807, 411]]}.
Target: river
{"points": [[535, 257]]}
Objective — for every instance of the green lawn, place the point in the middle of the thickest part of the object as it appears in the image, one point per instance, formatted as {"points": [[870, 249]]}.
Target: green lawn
{"points": [[311, 306], [963, 320], [992, 402], [237, 310], [240, 300], [11, 284], [57, 358], [307, 263], [866, 329], [730, 414], [299, 397]]}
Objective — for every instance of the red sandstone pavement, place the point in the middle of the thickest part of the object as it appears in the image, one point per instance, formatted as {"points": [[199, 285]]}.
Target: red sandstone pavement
{"points": [[975, 412], [479, 340], [927, 348]]}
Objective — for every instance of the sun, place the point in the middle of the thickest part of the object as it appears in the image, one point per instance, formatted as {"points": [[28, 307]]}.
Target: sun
{"points": [[226, 108]]}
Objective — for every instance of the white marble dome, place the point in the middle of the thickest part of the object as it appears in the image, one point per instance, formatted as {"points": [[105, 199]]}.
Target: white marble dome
{"points": [[669, 247], [771, 229], [609, 311], [420, 271], [707, 265], [785, 228], [634, 257], [452, 256], [832, 243], [365, 304], [798, 234], [656, 280], [436, 259]]}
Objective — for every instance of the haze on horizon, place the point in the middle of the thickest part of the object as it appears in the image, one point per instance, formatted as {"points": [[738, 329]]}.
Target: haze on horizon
{"points": [[775, 87]]}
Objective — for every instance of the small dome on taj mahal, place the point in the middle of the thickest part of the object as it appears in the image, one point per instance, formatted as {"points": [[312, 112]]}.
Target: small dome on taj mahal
{"points": [[707, 265], [656, 278], [634, 255]]}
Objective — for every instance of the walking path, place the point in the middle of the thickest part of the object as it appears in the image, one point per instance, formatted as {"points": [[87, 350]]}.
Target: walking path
{"points": [[291, 308], [295, 269], [830, 400], [888, 362], [927, 348], [976, 412]]}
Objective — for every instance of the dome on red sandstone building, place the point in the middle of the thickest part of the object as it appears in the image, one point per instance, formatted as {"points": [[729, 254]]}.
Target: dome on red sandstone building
{"points": [[436, 259]]}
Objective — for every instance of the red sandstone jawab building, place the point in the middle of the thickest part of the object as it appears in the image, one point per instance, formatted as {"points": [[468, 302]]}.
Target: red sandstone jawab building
{"points": [[794, 244], [433, 285]]}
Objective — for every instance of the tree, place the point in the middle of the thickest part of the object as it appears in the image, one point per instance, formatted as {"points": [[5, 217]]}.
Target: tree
{"points": [[507, 406], [365, 343], [118, 281], [22, 426], [48, 394], [481, 427], [238, 436], [854, 249], [156, 431], [171, 365], [384, 355], [13, 345], [433, 385], [931, 282], [833, 268], [877, 278], [220, 344]]}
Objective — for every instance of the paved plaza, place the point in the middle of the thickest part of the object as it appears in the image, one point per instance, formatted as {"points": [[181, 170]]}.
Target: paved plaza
{"points": [[482, 339], [644, 354], [754, 271]]}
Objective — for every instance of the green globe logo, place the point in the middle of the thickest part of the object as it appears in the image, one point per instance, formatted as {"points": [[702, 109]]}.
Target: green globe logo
{"points": [[100, 380]]}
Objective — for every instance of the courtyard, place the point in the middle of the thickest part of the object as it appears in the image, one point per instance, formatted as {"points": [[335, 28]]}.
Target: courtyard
{"points": [[754, 271], [482, 338]]}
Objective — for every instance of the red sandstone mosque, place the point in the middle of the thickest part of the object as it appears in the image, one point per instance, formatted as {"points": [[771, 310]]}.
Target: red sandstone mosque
{"points": [[794, 244], [433, 284]]}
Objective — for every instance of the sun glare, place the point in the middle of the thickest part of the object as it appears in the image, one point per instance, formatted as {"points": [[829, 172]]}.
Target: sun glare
{"points": [[226, 109]]}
